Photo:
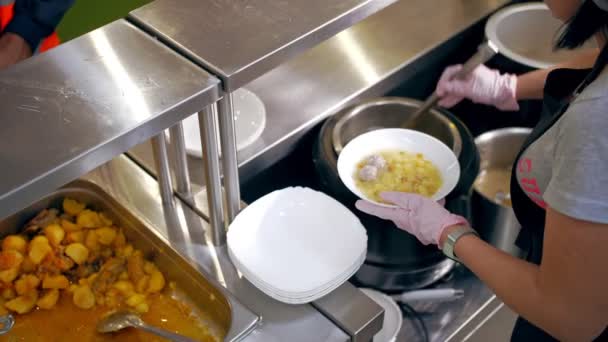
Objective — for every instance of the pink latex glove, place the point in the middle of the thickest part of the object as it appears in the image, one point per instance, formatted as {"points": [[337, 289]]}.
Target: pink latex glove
{"points": [[417, 215], [483, 85]]}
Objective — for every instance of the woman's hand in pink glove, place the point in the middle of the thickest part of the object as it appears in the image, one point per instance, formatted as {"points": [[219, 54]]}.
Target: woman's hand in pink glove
{"points": [[483, 85], [417, 215]]}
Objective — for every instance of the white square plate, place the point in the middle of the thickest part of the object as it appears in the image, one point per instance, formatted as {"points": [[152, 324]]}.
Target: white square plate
{"points": [[296, 241]]}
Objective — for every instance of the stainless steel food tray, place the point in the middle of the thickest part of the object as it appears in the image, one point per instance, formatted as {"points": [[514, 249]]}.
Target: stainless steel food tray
{"points": [[224, 315]]}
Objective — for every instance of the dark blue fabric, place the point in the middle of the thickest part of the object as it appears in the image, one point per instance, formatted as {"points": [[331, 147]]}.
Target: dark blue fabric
{"points": [[35, 20]]}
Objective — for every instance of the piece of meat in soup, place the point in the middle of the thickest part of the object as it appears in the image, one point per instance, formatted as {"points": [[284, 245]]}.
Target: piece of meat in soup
{"points": [[368, 173]]}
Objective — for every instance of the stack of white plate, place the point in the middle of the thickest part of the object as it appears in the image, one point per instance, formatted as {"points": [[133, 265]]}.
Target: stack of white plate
{"points": [[296, 244]]}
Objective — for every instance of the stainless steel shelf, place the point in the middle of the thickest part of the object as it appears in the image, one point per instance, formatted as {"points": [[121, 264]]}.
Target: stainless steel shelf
{"points": [[69, 110], [365, 60], [241, 40]]}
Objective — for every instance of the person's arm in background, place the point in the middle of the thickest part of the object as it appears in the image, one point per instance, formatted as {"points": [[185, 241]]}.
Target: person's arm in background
{"points": [[33, 20], [530, 85], [490, 87]]}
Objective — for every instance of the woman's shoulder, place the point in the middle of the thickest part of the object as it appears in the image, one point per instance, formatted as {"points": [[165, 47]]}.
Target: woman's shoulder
{"points": [[589, 111], [596, 90]]}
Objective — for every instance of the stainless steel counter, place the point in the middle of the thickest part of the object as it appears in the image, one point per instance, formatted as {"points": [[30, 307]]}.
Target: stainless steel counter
{"points": [[452, 321], [446, 322], [365, 60], [133, 188], [188, 233], [71, 109]]}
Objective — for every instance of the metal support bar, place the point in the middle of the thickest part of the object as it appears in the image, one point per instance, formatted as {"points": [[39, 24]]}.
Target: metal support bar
{"points": [[207, 119], [229, 158], [354, 312], [182, 177], [159, 146]]}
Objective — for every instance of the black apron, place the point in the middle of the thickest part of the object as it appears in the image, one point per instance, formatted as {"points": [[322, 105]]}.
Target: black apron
{"points": [[561, 87]]}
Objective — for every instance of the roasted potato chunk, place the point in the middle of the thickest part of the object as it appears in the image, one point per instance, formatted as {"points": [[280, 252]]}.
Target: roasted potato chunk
{"points": [[55, 282], [15, 243], [26, 284], [142, 307], [9, 275], [39, 248], [83, 297], [77, 252], [22, 304], [135, 267], [125, 251], [28, 266], [88, 219], [105, 235], [10, 259], [142, 284], [55, 234], [126, 288], [8, 293], [72, 207], [48, 300], [135, 299], [91, 240], [156, 283], [77, 236], [105, 220], [120, 241], [69, 226]]}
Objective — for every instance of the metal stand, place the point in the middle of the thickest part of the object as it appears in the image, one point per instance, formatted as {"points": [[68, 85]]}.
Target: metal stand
{"points": [[229, 157], [182, 177], [159, 146], [207, 119], [208, 125]]}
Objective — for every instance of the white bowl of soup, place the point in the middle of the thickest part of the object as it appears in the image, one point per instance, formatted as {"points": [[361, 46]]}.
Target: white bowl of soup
{"points": [[395, 159]]}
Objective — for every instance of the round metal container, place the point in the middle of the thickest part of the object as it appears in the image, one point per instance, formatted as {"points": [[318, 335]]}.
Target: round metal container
{"points": [[395, 259], [496, 222], [389, 112], [525, 34]]}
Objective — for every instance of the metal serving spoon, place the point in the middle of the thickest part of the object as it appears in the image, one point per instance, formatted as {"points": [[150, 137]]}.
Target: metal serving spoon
{"points": [[123, 319], [7, 321]]}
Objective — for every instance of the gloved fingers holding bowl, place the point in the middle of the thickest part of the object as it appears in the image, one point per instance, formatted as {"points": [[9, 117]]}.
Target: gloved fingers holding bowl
{"points": [[424, 217], [420, 216]]}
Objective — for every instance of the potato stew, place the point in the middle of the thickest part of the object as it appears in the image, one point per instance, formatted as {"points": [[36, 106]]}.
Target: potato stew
{"points": [[69, 268]]}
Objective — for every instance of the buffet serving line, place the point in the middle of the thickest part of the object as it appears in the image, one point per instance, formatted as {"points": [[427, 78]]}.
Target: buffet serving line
{"points": [[69, 115]]}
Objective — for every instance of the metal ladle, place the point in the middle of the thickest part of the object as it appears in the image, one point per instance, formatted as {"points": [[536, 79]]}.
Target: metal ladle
{"points": [[6, 322], [485, 51], [122, 319]]}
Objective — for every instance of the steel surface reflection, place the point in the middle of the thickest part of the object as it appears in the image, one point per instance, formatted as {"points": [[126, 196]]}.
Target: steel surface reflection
{"points": [[357, 57], [119, 74]]}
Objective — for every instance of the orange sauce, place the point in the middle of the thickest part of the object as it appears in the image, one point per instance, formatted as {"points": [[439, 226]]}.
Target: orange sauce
{"points": [[66, 322]]}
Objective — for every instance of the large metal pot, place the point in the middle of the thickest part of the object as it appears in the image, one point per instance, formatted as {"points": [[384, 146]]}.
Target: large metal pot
{"points": [[493, 217], [395, 260], [391, 112]]}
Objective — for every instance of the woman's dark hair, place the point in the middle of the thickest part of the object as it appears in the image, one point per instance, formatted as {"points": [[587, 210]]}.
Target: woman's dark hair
{"points": [[588, 20]]}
